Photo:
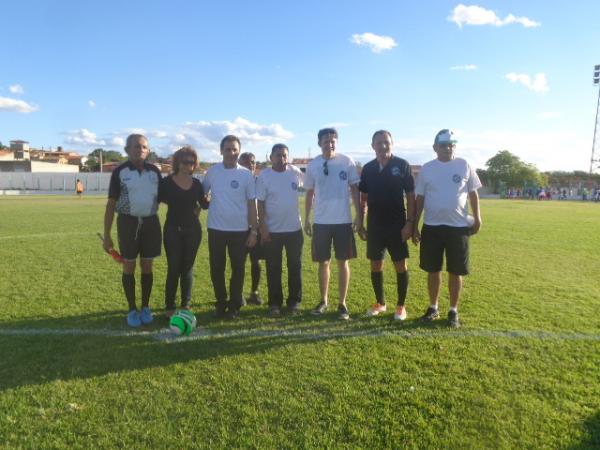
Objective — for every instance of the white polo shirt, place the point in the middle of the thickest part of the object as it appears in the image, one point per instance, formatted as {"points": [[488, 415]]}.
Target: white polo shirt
{"points": [[445, 187], [332, 191], [230, 191], [279, 191]]}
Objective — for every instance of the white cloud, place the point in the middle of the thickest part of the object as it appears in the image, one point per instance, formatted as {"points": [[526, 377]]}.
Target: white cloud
{"points": [[549, 115], [376, 43], [16, 89], [91, 103], [158, 134], [465, 67], [83, 137], [211, 132], [205, 136], [336, 125], [476, 15], [12, 104], [537, 84], [118, 142]]}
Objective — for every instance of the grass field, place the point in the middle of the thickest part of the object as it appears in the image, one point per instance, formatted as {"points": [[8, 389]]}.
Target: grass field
{"points": [[523, 372]]}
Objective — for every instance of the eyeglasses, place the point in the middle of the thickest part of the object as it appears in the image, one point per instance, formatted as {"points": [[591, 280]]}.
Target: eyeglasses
{"points": [[189, 162], [325, 168]]}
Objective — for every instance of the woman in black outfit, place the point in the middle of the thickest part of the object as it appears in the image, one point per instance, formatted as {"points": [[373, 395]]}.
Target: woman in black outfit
{"points": [[182, 232]]}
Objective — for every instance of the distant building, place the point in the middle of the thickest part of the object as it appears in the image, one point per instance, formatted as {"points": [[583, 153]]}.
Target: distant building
{"points": [[301, 163], [21, 158]]}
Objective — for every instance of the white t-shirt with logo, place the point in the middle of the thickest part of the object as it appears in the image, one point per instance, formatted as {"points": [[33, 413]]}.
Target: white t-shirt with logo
{"points": [[445, 187], [332, 193], [279, 191], [230, 190]]}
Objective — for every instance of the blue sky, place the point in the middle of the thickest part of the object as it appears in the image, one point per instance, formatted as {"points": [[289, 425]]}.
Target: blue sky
{"points": [[513, 75]]}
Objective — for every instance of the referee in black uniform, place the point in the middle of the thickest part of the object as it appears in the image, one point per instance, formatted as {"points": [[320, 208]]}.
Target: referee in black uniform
{"points": [[133, 194], [384, 182]]}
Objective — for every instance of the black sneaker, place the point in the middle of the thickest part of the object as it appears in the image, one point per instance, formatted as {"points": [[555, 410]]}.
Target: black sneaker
{"points": [[220, 310], [430, 314], [319, 309], [343, 312], [453, 319], [254, 299], [232, 313], [293, 309], [274, 311]]}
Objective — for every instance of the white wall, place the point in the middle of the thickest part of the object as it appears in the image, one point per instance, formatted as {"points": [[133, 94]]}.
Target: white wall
{"points": [[44, 181], [40, 166]]}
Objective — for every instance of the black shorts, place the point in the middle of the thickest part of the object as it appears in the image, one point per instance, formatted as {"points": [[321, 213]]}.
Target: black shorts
{"points": [[453, 240], [139, 236], [258, 251], [382, 238], [343, 242]]}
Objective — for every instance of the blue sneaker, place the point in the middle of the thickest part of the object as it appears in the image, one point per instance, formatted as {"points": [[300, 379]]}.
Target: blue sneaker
{"points": [[146, 316], [133, 319]]}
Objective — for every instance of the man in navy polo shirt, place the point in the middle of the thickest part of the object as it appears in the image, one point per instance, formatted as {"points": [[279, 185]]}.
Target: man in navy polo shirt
{"points": [[384, 182], [133, 194]]}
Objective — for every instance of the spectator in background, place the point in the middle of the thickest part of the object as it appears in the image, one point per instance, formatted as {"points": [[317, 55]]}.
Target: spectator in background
{"points": [[248, 160]]}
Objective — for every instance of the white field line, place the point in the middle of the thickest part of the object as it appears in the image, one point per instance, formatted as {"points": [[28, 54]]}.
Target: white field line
{"points": [[165, 335], [46, 235]]}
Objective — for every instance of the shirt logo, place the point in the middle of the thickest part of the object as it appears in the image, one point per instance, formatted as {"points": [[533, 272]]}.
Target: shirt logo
{"points": [[343, 175], [294, 186], [234, 184], [395, 171], [456, 178]]}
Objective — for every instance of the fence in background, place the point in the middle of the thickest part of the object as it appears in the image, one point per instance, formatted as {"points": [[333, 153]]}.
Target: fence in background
{"points": [[48, 182]]}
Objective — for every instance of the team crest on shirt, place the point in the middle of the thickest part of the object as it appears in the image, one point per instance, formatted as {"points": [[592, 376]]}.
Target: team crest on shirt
{"points": [[343, 175], [395, 171], [235, 184], [294, 186], [456, 178]]}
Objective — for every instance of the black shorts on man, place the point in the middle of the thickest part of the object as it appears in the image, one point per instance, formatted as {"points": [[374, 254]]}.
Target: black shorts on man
{"points": [[454, 241], [139, 236], [386, 237], [342, 237]]}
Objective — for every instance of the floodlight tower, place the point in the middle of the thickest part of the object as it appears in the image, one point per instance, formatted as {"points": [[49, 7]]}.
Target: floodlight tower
{"points": [[595, 144]]}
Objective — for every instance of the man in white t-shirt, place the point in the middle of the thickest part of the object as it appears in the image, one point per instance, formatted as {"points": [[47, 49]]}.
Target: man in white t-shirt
{"points": [[331, 179], [232, 224], [444, 188], [280, 227]]}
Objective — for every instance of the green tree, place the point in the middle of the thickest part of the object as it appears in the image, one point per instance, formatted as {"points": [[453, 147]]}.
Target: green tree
{"points": [[93, 162], [507, 169]]}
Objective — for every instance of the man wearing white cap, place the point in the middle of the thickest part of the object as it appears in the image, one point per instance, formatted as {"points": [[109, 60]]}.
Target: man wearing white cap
{"points": [[444, 188]]}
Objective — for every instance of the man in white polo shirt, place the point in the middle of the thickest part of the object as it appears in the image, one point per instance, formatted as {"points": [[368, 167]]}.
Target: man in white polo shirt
{"points": [[232, 224], [280, 227], [444, 187], [331, 179]]}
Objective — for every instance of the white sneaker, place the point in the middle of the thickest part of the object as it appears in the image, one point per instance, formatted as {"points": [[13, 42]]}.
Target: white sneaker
{"points": [[400, 313], [376, 309]]}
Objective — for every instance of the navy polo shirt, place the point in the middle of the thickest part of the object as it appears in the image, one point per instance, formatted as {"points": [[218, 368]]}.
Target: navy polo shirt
{"points": [[386, 190]]}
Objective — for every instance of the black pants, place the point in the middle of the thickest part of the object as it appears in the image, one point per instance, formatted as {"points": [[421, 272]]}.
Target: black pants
{"points": [[234, 244], [181, 246], [292, 242]]}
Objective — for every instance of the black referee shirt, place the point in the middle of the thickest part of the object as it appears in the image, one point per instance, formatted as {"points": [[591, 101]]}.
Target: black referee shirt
{"points": [[386, 190]]}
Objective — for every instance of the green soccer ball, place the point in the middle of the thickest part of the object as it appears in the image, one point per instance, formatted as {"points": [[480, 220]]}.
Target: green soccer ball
{"points": [[182, 323]]}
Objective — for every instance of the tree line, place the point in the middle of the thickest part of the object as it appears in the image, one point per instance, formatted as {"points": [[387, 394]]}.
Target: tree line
{"points": [[505, 170]]}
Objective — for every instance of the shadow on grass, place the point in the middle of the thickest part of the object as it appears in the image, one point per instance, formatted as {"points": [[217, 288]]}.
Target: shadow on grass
{"points": [[592, 435], [45, 357]]}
